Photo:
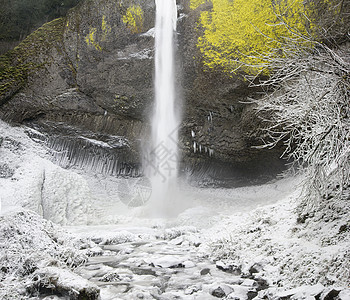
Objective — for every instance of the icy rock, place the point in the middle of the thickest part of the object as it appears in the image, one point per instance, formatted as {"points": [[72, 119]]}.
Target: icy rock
{"points": [[95, 251], [172, 233], [315, 290], [109, 277], [189, 264], [65, 282], [195, 241], [177, 241], [242, 292], [249, 283], [330, 294], [87, 244], [218, 292], [229, 268], [287, 294], [193, 289], [255, 268], [303, 292], [261, 283], [205, 271], [168, 261], [251, 295], [221, 291], [126, 250]]}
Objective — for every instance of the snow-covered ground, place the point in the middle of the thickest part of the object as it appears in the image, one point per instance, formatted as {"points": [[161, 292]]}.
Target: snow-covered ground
{"points": [[222, 243]]}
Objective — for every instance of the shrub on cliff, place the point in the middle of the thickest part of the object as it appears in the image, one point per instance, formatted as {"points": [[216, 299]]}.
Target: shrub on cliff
{"points": [[246, 35]]}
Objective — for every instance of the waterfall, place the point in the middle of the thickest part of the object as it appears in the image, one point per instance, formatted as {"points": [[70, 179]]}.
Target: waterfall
{"points": [[163, 154]]}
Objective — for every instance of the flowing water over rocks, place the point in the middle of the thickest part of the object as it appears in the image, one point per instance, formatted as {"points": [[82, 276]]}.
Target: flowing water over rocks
{"points": [[168, 265]]}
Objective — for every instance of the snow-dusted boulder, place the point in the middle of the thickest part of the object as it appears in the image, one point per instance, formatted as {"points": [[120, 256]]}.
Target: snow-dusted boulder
{"points": [[64, 282], [35, 253]]}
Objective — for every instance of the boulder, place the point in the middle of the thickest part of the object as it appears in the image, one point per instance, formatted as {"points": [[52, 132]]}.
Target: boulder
{"points": [[56, 281], [221, 290], [229, 268]]}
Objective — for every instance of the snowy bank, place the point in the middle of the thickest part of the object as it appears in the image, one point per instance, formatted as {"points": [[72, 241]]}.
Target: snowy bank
{"points": [[271, 242], [36, 258]]}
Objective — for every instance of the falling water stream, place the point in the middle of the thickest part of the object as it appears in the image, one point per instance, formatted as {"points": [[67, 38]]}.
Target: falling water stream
{"points": [[163, 168]]}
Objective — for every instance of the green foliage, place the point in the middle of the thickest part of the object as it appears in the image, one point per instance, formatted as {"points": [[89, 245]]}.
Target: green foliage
{"points": [[196, 3], [18, 64], [245, 35]]}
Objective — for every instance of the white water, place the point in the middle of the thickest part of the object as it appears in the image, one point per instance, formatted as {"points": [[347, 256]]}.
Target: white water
{"points": [[163, 154]]}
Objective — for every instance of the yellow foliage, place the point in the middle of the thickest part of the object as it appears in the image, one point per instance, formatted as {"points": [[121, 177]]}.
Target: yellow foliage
{"points": [[133, 18], [106, 29], [195, 3], [241, 34], [90, 39]]}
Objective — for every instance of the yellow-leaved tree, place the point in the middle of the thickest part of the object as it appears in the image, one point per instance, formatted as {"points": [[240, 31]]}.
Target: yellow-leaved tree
{"points": [[241, 34], [133, 18]]}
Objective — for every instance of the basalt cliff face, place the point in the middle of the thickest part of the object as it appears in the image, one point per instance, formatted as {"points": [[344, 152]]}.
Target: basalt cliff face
{"points": [[85, 84]]}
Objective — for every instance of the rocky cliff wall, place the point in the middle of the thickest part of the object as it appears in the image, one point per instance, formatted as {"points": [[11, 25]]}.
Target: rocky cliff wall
{"points": [[90, 75]]}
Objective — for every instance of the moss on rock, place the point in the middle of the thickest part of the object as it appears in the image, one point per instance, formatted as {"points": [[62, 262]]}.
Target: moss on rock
{"points": [[29, 56]]}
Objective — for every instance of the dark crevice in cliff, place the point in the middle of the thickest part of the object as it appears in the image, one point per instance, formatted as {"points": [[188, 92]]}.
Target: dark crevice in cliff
{"points": [[212, 172]]}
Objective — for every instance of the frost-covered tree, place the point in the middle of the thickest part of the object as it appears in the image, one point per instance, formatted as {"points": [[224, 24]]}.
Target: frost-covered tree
{"points": [[332, 19], [307, 108], [309, 112]]}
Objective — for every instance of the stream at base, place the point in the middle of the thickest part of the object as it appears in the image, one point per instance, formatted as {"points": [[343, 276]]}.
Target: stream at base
{"points": [[153, 263], [158, 258]]}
